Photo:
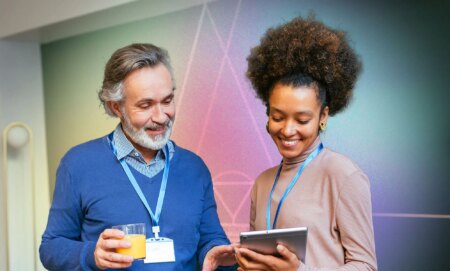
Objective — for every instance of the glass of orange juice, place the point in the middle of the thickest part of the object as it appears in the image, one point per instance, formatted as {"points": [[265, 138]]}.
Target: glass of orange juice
{"points": [[135, 234]]}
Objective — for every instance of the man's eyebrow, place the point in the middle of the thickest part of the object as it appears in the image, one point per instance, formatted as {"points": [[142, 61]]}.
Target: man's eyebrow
{"points": [[150, 100], [169, 96]]}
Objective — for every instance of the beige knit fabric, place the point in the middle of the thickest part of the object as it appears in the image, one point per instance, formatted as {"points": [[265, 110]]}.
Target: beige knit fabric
{"points": [[331, 198]]}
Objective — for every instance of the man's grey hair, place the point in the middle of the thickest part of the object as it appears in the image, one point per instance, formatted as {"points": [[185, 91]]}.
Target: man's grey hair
{"points": [[124, 61]]}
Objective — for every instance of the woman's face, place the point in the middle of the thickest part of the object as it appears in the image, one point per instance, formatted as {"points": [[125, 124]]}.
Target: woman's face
{"points": [[294, 118]]}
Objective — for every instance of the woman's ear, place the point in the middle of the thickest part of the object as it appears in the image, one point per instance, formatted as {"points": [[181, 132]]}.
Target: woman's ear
{"points": [[324, 118], [324, 115]]}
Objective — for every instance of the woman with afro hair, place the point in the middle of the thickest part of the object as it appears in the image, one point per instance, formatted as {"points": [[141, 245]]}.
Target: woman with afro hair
{"points": [[305, 71]]}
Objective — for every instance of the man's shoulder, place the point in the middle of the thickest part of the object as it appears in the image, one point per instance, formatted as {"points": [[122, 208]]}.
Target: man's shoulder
{"points": [[90, 149], [184, 153], [190, 167], [187, 156]]}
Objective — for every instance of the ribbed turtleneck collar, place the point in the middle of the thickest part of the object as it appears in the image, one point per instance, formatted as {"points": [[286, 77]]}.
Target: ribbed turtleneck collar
{"points": [[302, 157]]}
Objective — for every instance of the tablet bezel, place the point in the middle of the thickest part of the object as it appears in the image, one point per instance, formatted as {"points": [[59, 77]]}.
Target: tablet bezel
{"points": [[265, 242]]}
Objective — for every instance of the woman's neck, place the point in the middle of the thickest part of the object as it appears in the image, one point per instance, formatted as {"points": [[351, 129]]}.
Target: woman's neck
{"points": [[302, 156]]}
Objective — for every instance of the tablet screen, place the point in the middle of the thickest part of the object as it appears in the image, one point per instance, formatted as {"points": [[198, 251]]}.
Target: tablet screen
{"points": [[265, 242]]}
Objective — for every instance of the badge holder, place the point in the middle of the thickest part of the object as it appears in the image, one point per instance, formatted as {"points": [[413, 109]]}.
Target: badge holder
{"points": [[159, 249]]}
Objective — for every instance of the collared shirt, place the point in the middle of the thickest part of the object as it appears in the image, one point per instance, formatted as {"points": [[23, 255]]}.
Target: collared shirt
{"points": [[135, 159]]}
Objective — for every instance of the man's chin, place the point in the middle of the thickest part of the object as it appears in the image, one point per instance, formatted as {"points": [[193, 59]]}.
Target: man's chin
{"points": [[154, 145], [153, 135], [153, 142]]}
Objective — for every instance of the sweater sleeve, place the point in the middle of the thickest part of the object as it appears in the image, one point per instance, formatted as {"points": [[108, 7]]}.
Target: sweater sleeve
{"points": [[211, 232], [354, 222], [61, 246]]}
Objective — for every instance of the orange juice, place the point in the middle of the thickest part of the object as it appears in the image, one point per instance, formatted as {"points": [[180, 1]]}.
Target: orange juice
{"points": [[137, 249]]}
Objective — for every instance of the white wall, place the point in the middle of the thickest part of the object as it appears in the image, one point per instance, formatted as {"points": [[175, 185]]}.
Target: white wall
{"points": [[50, 20], [21, 99], [22, 15]]}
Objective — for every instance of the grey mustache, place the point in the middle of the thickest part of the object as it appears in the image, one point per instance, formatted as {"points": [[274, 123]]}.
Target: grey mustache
{"points": [[153, 127]]}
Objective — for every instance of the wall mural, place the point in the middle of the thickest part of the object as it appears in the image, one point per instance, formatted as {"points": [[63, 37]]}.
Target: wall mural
{"points": [[391, 128]]}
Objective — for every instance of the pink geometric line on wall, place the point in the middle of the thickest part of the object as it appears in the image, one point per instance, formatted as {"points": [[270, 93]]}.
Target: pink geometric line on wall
{"points": [[191, 57], [231, 226], [228, 183], [232, 187], [222, 65], [252, 117], [238, 83], [232, 214]]}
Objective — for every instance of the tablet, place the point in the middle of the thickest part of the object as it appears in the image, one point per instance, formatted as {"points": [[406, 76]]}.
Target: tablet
{"points": [[265, 242]]}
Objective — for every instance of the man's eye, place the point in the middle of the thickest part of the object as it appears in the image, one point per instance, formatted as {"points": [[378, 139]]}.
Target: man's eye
{"points": [[144, 106]]}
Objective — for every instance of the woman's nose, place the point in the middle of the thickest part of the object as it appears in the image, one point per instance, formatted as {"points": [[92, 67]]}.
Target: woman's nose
{"points": [[288, 129]]}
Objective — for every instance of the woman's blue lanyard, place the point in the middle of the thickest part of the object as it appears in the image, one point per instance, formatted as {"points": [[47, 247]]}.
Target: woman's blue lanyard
{"points": [[162, 190], [289, 188]]}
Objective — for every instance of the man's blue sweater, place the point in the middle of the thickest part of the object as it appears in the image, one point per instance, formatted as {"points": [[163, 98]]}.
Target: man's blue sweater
{"points": [[93, 193]]}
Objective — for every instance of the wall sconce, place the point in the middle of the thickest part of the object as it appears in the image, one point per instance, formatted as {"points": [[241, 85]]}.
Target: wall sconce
{"points": [[17, 135]]}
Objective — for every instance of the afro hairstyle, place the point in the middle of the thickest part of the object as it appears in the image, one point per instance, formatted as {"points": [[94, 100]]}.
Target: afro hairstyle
{"points": [[305, 47]]}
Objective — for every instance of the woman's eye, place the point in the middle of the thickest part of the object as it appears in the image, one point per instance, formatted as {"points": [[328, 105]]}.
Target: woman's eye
{"points": [[303, 122], [276, 119]]}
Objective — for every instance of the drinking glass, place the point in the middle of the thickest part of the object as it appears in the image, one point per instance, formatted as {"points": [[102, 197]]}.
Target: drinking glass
{"points": [[135, 234]]}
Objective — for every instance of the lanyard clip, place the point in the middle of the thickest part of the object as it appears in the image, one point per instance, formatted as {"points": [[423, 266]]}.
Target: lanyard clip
{"points": [[155, 230]]}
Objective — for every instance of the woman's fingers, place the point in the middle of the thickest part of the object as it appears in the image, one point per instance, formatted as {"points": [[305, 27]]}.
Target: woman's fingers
{"points": [[286, 253], [250, 260]]}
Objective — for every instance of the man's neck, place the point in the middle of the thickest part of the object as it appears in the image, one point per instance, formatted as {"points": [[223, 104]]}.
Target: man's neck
{"points": [[148, 154]]}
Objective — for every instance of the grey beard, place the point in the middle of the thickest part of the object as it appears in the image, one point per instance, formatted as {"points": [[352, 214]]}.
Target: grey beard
{"points": [[139, 136]]}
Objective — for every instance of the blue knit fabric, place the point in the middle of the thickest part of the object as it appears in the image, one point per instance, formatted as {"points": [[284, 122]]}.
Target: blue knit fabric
{"points": [[93, 193]]}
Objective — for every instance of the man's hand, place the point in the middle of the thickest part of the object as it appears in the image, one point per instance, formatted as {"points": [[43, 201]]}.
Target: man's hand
{"points": [[219, 256], [249, 260], [105, 253]]}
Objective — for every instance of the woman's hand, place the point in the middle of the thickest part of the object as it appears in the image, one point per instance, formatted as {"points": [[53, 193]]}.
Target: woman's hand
{"points": [[219, 256], [105, 250], [251, 261]]}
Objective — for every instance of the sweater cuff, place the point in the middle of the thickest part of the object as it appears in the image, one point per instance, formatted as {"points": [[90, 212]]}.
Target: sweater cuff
{"points": [[87, 259], [208, 247], [233, 267]]}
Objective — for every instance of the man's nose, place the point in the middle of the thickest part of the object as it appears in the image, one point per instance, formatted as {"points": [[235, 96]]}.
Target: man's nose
{"points": [[158, 114]]}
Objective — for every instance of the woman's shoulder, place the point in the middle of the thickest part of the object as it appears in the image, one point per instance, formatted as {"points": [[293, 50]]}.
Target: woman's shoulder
{"points": [[267, 176], [338, 164], [270, 172]]}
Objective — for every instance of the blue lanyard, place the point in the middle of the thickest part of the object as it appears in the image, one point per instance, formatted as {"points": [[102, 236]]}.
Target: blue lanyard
{"points": [[162, 190], [289, 188]]}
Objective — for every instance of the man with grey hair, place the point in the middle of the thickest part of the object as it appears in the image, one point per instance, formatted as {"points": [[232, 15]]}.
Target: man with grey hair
{"points": [[124, 178]]}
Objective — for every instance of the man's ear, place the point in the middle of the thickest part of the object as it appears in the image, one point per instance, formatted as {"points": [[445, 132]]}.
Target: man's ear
{"points": [[115, 107]]}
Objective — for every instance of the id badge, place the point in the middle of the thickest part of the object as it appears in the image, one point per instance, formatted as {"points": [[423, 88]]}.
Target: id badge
{"points": [[159, 250]]}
